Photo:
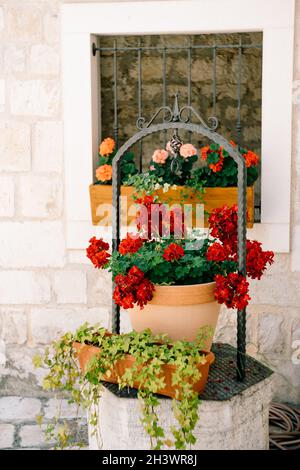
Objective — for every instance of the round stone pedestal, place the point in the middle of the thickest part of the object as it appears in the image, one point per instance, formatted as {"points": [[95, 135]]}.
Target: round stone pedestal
{"points": [[240, 423], [233, 414]]}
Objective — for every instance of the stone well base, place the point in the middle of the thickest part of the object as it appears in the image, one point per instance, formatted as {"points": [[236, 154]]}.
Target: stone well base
{"points": [[240, 423]]}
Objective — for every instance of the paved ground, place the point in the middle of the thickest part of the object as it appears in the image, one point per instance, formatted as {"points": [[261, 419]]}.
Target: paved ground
{"points": [[18, 422]]}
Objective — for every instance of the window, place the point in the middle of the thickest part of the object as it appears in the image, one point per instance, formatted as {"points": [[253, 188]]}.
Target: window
{"points": [[218, 74], [83, 24]]}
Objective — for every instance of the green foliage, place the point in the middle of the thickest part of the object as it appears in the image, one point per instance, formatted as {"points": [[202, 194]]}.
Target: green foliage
{"points": [[227, 177], [144, 183], [128, 166], [182, 174], [192, 268], [151, 354], [161, 175]]}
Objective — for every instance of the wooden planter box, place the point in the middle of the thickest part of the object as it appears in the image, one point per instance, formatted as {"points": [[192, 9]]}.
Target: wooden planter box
{"points": [[86, 352], [213, 198]]}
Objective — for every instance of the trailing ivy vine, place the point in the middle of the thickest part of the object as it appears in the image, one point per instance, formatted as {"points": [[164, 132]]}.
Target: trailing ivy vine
{"points": [[151, 353]]}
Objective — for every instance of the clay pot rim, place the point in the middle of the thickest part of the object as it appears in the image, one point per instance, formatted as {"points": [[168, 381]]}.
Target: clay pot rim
{"points": [[185, 294]]}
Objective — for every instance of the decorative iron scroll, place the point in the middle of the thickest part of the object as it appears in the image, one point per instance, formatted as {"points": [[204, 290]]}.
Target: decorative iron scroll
{"points": [[176, 115]]}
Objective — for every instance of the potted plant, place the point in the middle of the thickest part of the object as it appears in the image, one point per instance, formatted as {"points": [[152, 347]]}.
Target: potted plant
{"points": [[213, 184], [101, 191], [173, 284], [152, 364]]}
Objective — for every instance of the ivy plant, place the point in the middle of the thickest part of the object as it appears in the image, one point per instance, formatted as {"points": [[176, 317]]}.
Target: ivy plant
{"points": [[151, 353]]}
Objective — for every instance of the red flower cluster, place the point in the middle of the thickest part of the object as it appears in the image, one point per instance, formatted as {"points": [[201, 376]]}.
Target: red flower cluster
{"points": [[97, 253], [177, 227], [223, 225], [173, 252], [133, 288], [130, 244], [149, 219], [257, 259], [217, 252], [232, 290], [157, 221]]}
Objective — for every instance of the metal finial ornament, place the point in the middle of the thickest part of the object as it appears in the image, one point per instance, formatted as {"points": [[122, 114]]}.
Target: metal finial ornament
{"points": [[176, 109], [175, 144]]}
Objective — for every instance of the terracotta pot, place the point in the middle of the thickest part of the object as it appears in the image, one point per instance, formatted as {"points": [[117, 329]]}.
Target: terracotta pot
{"points": [[86, 352], [178, 311]]}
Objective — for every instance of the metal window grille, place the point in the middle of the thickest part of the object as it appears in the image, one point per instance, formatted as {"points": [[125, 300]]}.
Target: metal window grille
{"points": [[237, 49]]}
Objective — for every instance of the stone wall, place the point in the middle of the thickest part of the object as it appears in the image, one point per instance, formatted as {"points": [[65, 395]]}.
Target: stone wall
{"points": [[45, 289]]}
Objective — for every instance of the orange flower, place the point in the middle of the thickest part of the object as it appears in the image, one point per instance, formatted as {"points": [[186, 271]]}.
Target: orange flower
{"points": [[107, 147], [216, 167], [204, 151], [251, 159], [104, 173], [160, 156]]}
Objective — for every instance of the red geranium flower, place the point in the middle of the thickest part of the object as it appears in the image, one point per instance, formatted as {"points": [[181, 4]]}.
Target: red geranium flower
{"points": [[232, 290], [136, 275], [100, 259], [150, 213], [123, 282], [217, 252], [177, 228], [97, 253], [158, 221], [130, 244], [173, 252], [257, 259], [223, 225], [125, 300], [133, 288], [144, 292], [100, 244]]}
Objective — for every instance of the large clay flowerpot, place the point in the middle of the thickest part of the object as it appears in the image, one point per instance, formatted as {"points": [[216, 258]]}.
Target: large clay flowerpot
{"points": [[178, 311]]}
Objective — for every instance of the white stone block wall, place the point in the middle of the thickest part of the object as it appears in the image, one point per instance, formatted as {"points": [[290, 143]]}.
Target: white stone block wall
{"points": [[45, 289], [19, 428]]}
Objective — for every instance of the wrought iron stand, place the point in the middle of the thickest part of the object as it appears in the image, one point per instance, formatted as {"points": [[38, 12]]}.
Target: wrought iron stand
{"points": [[174, 119]]}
